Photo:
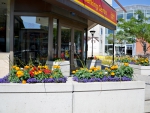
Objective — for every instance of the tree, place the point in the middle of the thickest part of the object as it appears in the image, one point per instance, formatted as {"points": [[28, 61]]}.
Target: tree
{"points": [[120, 37], [137, 27]]}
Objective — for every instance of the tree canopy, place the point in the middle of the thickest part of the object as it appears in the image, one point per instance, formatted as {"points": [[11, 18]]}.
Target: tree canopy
{"points": [[137, 27]]}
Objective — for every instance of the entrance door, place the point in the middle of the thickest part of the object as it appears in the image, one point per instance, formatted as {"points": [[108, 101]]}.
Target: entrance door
{"points": [[71, 46], [65, 43]]}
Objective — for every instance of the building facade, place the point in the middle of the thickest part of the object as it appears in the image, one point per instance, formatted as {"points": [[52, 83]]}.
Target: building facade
{"points": [[42, 30]]}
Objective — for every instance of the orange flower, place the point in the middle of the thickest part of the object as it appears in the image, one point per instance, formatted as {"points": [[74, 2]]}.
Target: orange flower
{"points": [[24, 81], [26, 67], [19, 73]]}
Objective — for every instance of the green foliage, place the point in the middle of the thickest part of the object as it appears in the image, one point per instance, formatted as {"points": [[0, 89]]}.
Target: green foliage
{"points": [[126, 71], [83, 73], [56, 73], [137, 27]]}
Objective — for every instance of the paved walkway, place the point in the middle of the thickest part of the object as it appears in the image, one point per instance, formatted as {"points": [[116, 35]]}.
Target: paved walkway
{"points": [[145, 78]]}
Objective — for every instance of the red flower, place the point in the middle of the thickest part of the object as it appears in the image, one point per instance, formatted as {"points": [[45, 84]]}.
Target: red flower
{"points": [[32, 73], [47, 71]]}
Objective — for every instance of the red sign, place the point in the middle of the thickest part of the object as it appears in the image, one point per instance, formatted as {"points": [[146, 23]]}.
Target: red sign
{"points": [[100, 8]]}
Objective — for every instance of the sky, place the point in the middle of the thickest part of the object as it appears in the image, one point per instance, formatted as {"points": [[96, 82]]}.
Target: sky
{"points": [[130, 2]]}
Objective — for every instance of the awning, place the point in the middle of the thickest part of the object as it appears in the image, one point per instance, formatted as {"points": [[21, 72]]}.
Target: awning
{"points": [[97, 11]]}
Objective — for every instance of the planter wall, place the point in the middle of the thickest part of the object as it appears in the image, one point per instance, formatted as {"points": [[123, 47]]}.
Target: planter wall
{"points": [[73, 97], [141, 70], [91, 63], [4, 64], [64, 66]]}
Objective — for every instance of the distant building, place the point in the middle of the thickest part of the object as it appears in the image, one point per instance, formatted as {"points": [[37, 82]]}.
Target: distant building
{"points": [[106, 47]]}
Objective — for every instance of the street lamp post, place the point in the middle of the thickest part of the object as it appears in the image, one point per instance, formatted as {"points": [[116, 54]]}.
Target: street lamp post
{"points": [[92, 32]]}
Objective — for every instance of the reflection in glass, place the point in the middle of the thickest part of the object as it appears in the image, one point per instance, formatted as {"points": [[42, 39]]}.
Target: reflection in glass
{"points": [[78, 47], [129, 15], [30, 39], [65, 43], [119, 16], [55, 38], [77, 44]]}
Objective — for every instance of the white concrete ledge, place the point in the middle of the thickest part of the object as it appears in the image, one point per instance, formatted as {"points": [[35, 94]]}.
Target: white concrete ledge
{"points": [[73, 97]]}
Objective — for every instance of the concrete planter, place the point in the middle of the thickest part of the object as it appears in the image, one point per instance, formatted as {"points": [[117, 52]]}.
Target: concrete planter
{"points": [[64, 66], [73, 97], [4, 64], [91, 63], [141, 70]]}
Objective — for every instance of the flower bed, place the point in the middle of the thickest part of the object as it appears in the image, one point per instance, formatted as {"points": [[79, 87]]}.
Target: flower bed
{"points": [[33, 74], [95, 74]]}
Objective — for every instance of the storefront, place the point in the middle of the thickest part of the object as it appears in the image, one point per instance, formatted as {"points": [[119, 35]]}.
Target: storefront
{"points": [[42, 30]]}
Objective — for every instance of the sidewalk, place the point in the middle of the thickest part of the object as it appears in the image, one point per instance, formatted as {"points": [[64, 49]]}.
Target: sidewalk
{"points": [[145, 78]]}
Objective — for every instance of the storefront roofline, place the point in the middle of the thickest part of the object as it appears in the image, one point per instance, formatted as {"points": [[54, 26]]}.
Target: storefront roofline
{"points": [[77, 9]]}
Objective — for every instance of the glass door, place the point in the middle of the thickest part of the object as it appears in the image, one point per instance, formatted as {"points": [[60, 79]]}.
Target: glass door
{"points": [[65, 43], [78, 48]]}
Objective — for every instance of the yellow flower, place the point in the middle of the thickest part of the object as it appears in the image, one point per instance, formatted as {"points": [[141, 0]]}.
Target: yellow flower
{"points": [[73, 72], [51, 76], [98, 67], [95, 69], [77, 70], [115, 66], [90, 70], [24, 81], [17, 68], [46, 67], [112, 73], [56, 66], [112, 67], [14, 67], [39, 66], [19, 73], [36, 73], [126, 64], [39, 71]]}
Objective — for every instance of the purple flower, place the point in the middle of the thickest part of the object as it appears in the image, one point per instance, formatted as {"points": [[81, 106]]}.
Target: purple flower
{"points": [[4, 79], [125, 78], [32, 80], [105, 78], [48, 80]]}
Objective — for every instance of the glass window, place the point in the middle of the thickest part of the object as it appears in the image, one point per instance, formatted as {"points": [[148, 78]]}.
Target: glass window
{"points": [[109, 49], [129, 15], [4, 21], [110, 31], [119, 16], [148, 15], [55, 38], [30, 39]]}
